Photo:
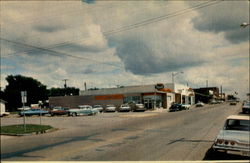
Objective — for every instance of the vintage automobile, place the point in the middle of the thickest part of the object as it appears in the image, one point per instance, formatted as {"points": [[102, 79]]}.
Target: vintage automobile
{"points": [[82, 110], [246, 107], [214, 101], [98, 107], [110, 108], [234, 137], [186, 106], [233, 103], [176, 107], [200, 104], [58, 110], [139, 107], [124, 107], [33, 112]]}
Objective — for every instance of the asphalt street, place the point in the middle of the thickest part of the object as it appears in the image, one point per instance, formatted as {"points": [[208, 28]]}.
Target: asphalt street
{"points": [[129, 136]]}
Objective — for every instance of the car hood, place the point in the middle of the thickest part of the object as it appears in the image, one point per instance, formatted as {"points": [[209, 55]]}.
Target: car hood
{"points": [[241, 136]]}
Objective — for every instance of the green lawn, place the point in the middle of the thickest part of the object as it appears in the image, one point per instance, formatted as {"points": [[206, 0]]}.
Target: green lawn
{"points": [[19, 129]]}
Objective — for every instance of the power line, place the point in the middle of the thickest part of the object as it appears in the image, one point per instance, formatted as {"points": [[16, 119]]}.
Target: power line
{"points": [[160, 18], [56, 53], [142, 23], [107, 33]]}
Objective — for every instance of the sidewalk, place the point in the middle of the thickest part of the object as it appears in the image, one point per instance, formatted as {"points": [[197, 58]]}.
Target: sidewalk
{"points": [[159, 110]]}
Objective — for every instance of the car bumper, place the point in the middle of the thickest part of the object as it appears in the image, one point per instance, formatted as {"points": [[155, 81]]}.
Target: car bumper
{"points": [[110, 110], [233, 150], [124, 109]]}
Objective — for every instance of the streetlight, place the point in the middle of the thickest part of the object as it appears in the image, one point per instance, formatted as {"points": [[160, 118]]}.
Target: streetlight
{"points": [[174, 74], [244, 25]]}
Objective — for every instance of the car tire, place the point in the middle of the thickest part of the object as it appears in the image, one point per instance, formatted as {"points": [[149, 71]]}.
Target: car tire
{"points": [[74, 114], [52, 114]]}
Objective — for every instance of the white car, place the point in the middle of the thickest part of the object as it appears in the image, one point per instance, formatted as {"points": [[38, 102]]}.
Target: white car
{"points": [[98, 107], [82, 110], [200, 104], [110, 108], [139, 107], [234, 137], [24, 108], [186, 106], [125, 107]]}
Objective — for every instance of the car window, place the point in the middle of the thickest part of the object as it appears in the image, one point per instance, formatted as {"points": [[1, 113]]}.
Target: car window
{"points": [[235, 124], [247, 104]]}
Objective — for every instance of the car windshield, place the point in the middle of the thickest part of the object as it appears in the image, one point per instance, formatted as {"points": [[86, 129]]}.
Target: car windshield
{"points": [[97, 106], [247, 104], [236, 124]]}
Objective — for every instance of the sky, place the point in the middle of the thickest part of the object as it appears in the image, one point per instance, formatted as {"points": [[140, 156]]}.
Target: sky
{"points": [[110, 43]]}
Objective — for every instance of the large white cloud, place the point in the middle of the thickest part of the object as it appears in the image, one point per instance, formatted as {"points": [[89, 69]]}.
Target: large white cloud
{"points": [[143, 55]]}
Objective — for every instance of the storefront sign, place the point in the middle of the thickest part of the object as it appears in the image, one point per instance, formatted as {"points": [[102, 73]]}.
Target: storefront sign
{"points": [[109, 97], [159, 86]]}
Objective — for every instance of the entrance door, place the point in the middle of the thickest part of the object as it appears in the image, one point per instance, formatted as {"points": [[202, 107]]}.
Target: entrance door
{"points": [[148, 103]]}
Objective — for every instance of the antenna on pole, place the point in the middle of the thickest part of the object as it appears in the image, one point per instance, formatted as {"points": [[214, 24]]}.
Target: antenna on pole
{"points": [[65, 82]]}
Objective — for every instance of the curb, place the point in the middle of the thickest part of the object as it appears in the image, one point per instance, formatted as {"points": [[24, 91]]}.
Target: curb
{"points": [[32, 133]]}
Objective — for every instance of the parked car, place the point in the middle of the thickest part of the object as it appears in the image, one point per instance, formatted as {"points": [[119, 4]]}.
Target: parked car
{"points": [[176, 107], [200, 104], [24, 108], [82, 110], [246, 107], [138, 107], [98, 107], [110, 108], [234, 137], [233, 103], [59, 111], [214, 102], [33, 112], [186, 106], [124, 107]]}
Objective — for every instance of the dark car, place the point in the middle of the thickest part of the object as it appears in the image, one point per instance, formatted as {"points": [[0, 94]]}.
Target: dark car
{"points": [[176, 107], [246, 107], [59, 111]]}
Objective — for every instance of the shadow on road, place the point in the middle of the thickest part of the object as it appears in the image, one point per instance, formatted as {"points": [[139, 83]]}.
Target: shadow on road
{"points": [[213, 155]]}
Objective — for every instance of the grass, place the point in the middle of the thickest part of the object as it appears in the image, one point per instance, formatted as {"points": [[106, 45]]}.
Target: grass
{"points": [[19, 129]]}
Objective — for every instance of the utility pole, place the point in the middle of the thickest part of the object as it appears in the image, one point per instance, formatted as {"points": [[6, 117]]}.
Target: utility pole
{"points": [[206, 83], [221, 92], [65, 82]]}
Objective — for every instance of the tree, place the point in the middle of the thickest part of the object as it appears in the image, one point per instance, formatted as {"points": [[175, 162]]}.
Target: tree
{"points": [[63, 91], [36, 91]]}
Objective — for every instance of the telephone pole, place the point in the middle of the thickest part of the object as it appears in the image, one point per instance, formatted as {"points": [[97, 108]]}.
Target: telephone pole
{"points": [[65, 82]]}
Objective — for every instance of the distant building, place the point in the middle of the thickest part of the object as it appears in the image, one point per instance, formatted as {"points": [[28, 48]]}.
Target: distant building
{"points": [[206, 94]]}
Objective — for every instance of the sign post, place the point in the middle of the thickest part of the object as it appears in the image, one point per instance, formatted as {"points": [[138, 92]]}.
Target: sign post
{"points": [[24, 100]]}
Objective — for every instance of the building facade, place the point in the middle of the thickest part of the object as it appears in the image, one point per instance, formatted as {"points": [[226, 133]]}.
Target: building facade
{"points": [[152, 96]]}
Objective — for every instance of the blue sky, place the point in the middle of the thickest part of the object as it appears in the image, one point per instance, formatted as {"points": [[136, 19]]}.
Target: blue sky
{"points": [[109, 43]]}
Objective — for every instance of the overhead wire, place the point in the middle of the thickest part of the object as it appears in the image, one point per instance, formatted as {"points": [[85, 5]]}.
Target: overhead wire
{"points": [[108, 33], [68, 42], [57, 53], [160, 18]]}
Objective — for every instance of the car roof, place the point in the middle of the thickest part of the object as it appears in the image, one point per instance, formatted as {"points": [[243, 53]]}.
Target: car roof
{"points": [[240, 117]]}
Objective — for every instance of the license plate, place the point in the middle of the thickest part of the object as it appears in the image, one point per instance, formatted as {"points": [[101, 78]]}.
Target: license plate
{"points": [[245, 153]]}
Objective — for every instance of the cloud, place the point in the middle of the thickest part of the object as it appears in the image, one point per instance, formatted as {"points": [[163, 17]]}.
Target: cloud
{"points": [[195, 42], [47, 28], [139, 58], [225, 17]]}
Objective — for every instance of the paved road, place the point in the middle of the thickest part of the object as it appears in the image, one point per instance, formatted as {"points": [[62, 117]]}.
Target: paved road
{"points": [[140, 136]]}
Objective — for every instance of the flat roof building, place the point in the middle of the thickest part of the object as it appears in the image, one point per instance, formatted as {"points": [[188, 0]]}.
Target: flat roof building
{"points": [[152, 96]]}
